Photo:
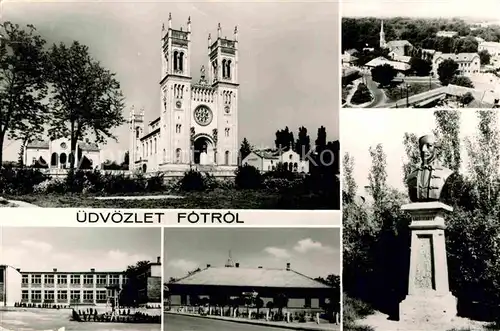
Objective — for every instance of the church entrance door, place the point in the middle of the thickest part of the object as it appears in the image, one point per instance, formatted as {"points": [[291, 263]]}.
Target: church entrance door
{"points": [[202, 147]]}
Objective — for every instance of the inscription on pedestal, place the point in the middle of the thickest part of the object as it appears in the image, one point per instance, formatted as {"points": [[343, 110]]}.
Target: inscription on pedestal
{"points": [[424, 273]]}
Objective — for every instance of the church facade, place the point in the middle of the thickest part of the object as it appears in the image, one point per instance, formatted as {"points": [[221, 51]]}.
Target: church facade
{"points": [[198, 122]]}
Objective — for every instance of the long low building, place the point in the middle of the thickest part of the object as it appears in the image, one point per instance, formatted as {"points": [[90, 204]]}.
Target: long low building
{"points": [[399, 66], [75, 288], [232, 282]]}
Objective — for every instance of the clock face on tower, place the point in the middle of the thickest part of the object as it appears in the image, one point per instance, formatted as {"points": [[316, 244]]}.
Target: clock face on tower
{"points": [[203, 115], [227, 109], [178, 104]]}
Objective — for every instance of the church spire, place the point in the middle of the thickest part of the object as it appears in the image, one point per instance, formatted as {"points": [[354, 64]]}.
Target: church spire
{"points": [[382, 35], [229, 263]]}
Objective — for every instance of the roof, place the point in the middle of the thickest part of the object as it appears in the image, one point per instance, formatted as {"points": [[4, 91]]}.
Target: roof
{"points": [[88, 147], [38, 144], [427, 50], [402, 58], [401, 66], [398, 43], [250, 277], [351, 51], [460, 57]]}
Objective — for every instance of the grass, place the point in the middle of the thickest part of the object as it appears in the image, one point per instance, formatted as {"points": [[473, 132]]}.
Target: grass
{"points": [[362, 95], [395, 93], [354, 310], [216, 199]]}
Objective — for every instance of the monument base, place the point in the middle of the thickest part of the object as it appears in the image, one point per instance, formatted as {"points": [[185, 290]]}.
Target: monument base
{"points": [[428, 307]]}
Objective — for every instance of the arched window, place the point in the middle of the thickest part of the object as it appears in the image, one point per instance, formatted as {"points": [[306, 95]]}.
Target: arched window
{"points": [[53, 160], [290, 157], [176, 54], [224, 68], [164, 155], [228, 69], [147, 148], [63, 158], [226, 158], [290, 166], [151, 148], [285, 165], [137, 133], [156, 151], [143, 151], [178, 155], [181, 62], [295, 167]]}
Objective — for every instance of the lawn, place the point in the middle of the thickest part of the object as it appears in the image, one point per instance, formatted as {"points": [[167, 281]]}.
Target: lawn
{"points": [[215, 199], [396, 92]]}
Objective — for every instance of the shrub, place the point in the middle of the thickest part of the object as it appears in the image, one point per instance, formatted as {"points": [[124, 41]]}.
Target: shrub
{"points": [[156, 183], [20, 181], [281, 184], [192, 181], [248, 177]]}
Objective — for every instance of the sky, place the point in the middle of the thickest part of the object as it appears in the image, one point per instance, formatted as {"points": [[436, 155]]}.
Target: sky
{"points": [[78, 249], [476, 10], [314, 252], [388, 128], [288, 55]]}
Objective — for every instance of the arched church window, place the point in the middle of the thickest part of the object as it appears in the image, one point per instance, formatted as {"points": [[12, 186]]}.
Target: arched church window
{"points": [[176, 55], [181, 62], [224, 68], [228, 69], [226, 158], [63, 158], [143, 151], [156, 151], [178, 153], [137, 133], [147, 148], [295, 167], [290, 166], [285, 165], [164, 155], [53, 160]]}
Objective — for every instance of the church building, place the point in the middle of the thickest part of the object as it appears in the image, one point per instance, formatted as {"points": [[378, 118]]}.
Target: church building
{"points": [[197, 127]]}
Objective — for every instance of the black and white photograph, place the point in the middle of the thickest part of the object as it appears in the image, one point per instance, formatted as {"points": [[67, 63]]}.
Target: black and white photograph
{"points": [[169, 105], [420, 54], [420, 219], [78, 279], [252, 279]]}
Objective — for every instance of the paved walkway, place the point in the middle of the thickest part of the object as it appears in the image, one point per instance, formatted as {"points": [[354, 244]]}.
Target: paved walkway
{"points": [[143, 197], [16, 203], [283, 325]]}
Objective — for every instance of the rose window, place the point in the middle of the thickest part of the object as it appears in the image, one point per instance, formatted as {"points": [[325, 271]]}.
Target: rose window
{"points": [[203, 115]]}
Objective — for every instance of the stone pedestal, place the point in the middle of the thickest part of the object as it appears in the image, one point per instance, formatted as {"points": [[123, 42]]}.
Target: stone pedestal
{"points": [[429, 296]]}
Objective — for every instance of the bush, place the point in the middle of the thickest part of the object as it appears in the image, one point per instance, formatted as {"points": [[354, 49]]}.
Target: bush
{"points": [[156, 183], [248, 177], [361, 95], [20, 181], [192, 181]]}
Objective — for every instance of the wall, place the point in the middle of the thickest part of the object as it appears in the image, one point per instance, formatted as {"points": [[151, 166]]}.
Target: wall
{"points": [[11, 287]]}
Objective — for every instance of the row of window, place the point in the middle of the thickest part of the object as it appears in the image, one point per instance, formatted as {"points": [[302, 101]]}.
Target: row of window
{"points": [[73, 279], [151, 148], [62, 296]]}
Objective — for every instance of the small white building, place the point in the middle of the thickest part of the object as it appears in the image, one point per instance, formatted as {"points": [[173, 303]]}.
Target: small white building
{"points": [[493, 48], [468, 63], [399, 47], [446, 34], [55, 153], [399, 66], [268, 160]]}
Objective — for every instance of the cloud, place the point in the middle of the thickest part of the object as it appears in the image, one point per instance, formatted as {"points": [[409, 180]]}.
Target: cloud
{"points": [[307, 245], [183, 265], [30, 255], [279, 253]]}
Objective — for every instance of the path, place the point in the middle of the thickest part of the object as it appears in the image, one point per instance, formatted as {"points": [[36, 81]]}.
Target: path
{"points": [[143, 197], [16, 203], [185, 322], [379, 97]]}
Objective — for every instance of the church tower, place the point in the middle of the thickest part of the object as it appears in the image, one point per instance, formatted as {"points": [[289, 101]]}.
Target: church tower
{"points": [[136, 127], [175, 84], [383, 44], [223, 64]]}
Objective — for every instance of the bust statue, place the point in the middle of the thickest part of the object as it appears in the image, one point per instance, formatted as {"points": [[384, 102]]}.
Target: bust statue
{"points": [[426, 183]]}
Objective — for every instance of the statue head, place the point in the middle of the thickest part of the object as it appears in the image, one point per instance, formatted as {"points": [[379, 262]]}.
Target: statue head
{"points": [[427, 147]]}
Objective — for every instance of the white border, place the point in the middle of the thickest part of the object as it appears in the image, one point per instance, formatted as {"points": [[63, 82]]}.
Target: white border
{"points": [[78, 217]]}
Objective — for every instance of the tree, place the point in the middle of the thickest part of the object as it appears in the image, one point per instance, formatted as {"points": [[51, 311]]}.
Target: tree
{"points": [[485, 57], [320, 141], [462, 81], [303, 143], [447, 70], [378, 174], [86, 98], [466, 98], [484, 160], [130, 295], [349, 182], [384, 74], [245, 149], [420, 66], [22, 83], [284, 139], [448, 138], [126, 161]]}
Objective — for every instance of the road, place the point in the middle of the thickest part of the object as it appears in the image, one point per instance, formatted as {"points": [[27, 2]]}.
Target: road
{"points": [[187, 323], [379, 97]]}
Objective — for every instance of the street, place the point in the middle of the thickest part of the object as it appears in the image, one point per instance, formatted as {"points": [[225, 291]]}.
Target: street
{"points": [[187, 323]]}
